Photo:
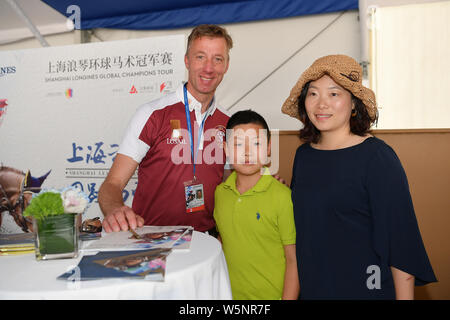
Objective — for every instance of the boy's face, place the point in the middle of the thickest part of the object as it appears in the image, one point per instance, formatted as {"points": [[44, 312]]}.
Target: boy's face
{"points": [[247, 148]]}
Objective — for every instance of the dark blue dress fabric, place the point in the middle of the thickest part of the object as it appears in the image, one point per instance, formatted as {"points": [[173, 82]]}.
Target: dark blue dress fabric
{"points": [[354, 216]]}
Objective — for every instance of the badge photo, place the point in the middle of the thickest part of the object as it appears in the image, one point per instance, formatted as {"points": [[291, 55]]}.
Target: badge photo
{"points": [[193, 191]]}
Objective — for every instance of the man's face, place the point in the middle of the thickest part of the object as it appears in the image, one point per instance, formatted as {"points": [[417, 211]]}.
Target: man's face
{"points": [[207, 62]]}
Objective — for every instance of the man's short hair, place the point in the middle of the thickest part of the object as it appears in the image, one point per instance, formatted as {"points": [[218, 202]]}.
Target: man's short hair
{"points": [[209, 30]]}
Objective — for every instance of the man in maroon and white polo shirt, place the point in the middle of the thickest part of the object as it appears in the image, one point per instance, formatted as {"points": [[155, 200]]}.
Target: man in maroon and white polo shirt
{"points": [[164, 137]]}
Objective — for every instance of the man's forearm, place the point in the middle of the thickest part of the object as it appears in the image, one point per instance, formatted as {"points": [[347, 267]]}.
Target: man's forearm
{"points": [[109, 198]]}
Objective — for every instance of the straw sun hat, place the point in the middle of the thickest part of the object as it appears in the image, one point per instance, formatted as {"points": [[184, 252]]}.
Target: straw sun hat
{"points": [[345, 71]]}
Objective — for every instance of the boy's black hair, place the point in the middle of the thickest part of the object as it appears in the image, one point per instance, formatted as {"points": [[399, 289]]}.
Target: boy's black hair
{"points": [[248, 116]]}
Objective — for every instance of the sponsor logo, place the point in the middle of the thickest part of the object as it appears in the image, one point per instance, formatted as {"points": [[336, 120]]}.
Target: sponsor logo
{"points": [[7, 70], [165, 87], [54, 94], [69, 93], [151, 88], [118, 90], [133, 90]]}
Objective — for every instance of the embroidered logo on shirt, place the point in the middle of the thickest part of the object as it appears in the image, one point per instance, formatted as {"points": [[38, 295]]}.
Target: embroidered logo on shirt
{"points": [[176, 136], [258, 216], [176, 126], [219, 135]]}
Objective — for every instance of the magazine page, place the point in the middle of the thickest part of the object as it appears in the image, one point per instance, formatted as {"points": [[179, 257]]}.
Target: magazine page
{"points": [[184, 243], [148, 265], [149, 237]]}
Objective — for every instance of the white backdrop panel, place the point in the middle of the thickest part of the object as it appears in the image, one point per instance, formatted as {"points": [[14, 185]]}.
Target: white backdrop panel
{"points": [[67, 107]]}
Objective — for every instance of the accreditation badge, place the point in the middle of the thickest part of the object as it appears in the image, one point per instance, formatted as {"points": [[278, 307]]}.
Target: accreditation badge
{"points": [[194, 195]]}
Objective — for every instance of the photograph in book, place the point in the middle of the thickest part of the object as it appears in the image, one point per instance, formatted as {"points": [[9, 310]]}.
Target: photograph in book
{"points": [[184, 242], [148, 237], [149, 264], [136, 264]]}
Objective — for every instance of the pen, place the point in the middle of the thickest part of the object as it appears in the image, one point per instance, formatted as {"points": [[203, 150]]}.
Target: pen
{"points": [[136, 236]]}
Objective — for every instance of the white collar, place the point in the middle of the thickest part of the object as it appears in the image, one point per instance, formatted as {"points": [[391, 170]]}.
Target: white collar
{"points": [[194, 104]]}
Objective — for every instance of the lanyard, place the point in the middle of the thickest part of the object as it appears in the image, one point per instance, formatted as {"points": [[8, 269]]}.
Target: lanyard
{"points": [[188, 120]]}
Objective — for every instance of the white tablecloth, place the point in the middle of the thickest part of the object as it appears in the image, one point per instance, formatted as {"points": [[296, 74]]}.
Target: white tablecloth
{"points": [[200, 273]]}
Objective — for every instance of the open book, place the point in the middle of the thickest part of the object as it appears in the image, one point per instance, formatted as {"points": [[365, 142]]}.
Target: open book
{"points": [[141, 264], [151, 237]]}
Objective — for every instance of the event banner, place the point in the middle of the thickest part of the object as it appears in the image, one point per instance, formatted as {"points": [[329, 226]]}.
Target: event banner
{"points": [[64, 110]]}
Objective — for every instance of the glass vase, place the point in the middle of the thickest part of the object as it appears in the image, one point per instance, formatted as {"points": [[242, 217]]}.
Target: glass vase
{"points": [[57, 236]]}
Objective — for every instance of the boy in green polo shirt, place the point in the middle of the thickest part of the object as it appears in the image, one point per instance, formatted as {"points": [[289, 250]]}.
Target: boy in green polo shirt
{"points": [[254, 216]]}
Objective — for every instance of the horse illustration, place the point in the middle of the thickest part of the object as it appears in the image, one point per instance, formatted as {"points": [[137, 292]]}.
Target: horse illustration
{"points": [[16, 188], [3, 104]]}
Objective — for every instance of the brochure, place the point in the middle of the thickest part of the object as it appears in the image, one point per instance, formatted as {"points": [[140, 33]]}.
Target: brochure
{"points": [[148, 265], [16, 239], [16, 243], [150, 237], [184, 243], [87, 236]]}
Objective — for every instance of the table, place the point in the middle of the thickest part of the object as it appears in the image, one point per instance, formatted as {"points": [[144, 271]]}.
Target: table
{"points": [[198, 273]]}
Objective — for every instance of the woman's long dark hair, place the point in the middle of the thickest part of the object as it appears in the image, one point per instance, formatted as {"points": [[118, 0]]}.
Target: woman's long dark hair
{"points": [[359, 124]]}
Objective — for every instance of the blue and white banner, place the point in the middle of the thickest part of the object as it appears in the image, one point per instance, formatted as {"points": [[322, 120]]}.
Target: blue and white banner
{"points": [[65, 109]]}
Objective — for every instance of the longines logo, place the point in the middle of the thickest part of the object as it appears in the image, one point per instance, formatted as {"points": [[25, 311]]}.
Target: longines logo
{"points": [[7, 70], [175, 141]]}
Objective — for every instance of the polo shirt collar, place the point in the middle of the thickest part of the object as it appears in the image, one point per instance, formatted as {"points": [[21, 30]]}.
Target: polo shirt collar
{"points": [[193, 103], [261, 186]]}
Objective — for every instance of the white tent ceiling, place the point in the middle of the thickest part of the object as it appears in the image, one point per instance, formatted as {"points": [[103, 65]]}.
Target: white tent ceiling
{"points": [[46, 19]]}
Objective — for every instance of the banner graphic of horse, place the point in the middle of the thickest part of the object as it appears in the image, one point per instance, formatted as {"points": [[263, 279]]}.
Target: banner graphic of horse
{"points": [[16, 189]]}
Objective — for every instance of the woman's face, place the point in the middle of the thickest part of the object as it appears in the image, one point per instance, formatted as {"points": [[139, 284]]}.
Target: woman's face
{"points": [[328, 105]]}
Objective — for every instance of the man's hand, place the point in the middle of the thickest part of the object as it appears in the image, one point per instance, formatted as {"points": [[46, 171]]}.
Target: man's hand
{"points": [[117, 215], [121, 219]]}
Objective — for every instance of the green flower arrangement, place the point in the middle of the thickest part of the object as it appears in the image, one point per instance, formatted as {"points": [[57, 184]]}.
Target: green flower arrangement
{"points": [[54, 202], [57, 218], [45, 204]]}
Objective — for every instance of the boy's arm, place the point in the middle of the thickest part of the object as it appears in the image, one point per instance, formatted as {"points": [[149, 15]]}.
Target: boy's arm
{"points": [[291, 282]]}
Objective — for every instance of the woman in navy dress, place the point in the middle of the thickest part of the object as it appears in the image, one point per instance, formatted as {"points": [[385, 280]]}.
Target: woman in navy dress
{"points": [[357, 233]]}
